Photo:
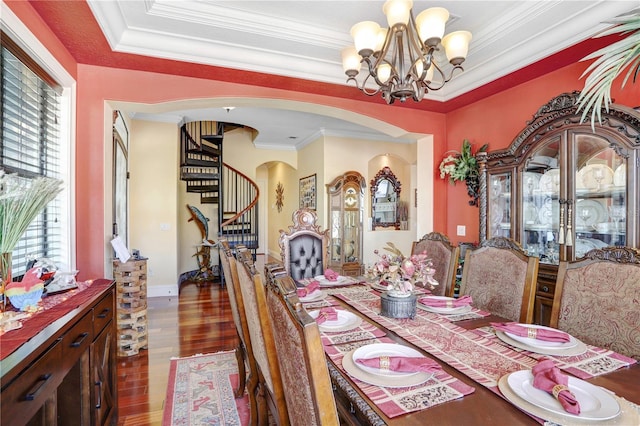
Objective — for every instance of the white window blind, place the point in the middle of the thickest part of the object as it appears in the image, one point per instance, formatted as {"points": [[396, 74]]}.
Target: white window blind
{"points": [[30, 147]]}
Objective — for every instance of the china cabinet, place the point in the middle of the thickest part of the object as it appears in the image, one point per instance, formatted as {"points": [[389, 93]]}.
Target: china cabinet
{"points": [[346, 212], [563, 188]]}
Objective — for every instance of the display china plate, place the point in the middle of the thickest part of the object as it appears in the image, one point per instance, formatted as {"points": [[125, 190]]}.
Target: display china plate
{"points": [[385, 349], [345, 321], [589, 173], [444, 310], [595, 402], [550, 181], [537, 343], [342, 280], [549, 213], [313, 297], [620, 175]]}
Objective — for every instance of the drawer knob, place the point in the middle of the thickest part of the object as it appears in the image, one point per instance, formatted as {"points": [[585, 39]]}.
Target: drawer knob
{"points": [[104, 313], [79, 340], [42, 380], [545, 288]]}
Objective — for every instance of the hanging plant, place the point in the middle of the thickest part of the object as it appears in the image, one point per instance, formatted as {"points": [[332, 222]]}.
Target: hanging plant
{"points": [[463, 166]]}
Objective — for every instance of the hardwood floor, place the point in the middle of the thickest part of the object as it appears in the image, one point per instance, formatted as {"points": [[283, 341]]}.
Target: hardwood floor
{"points": [[198, 321]]}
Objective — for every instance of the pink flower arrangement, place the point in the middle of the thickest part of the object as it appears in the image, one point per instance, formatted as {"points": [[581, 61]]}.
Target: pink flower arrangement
{"points": [[400, 273]]}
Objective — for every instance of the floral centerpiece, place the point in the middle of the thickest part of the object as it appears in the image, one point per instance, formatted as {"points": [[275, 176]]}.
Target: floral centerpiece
{"points": [[401, 273], [463, 166], [21, 200]]}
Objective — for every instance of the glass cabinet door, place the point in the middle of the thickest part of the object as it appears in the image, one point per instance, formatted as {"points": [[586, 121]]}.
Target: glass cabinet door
{"points": [[499, 211], [600, 206], [542, 195]]}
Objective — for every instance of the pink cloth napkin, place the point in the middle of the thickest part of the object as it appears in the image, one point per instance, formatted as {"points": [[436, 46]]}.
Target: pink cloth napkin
{"points": [[327, 314], [531, 332], [446, 303], [401, 364], [547, 377], [331, 275], [310, 288]]}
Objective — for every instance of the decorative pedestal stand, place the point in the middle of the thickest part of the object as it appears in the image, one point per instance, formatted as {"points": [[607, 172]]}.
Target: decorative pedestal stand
{"points": [[131, 305], [398, 307]]}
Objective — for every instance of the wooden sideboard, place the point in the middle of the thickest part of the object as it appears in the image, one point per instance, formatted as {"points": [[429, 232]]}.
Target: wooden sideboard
{"points": [[66, 373]]}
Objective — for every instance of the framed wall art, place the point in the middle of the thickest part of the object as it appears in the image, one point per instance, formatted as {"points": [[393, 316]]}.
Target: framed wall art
{"points": [[308, 192]]}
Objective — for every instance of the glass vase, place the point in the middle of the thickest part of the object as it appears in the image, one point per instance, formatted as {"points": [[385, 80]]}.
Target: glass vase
{"points": [[5, 277]]}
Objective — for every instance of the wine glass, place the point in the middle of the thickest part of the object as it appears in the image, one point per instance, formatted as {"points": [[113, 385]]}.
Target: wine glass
{"points": [[598, 176], [585, 215], [618, 214]]}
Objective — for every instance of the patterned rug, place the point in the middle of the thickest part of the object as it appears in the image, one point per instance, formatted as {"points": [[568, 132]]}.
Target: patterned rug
{"points": [[200, 392]]}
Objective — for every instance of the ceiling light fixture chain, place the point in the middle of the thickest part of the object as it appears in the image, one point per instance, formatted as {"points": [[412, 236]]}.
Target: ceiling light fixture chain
{"points": [[402, 59]]}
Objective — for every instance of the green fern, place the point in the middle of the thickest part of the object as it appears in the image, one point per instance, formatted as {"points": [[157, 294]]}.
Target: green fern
{"points": [[612, 61]]}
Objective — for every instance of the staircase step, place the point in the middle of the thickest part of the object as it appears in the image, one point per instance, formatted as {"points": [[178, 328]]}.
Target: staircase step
{"points": [[216, 139], [199, 176], [200, 162], [209, 200], [202, 188]]}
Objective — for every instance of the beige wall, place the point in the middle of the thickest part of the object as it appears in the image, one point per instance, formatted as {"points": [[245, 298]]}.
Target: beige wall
{"points": [[153, 195]]}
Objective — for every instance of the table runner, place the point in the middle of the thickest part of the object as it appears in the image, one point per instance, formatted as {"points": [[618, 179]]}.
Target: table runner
{"points": [[594, 362], [393, 402], [476, 356], [53, 307]]}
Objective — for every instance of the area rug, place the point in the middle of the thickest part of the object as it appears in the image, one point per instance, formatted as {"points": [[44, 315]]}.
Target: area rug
{"points": [[201, 392]]}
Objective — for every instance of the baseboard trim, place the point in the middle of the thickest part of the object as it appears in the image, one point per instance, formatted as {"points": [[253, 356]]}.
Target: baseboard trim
{"points": [[162, 290]]}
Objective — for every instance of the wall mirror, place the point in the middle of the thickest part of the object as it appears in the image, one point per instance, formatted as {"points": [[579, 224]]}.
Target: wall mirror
{"points": [[385, 195]]}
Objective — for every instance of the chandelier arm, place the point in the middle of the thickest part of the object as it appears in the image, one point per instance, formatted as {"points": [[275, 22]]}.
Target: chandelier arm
{"points": [[362, 87]]}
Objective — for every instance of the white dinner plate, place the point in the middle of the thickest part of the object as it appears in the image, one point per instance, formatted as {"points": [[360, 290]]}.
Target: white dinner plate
{"points": [[380, 380], [444, 310], [378, 286], [385, 349], [595, 402], [345, 321], [549, 213], [313, 296], [537, 343], [550, 181], [620, 175], [341, 280], [590, 173]]}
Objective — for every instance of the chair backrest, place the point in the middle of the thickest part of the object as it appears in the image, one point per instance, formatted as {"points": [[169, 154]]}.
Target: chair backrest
{"points": [[303, 365], [261, 334], [596, 299], [303, 246], [230, 272], [445, 260], [501, 278]]}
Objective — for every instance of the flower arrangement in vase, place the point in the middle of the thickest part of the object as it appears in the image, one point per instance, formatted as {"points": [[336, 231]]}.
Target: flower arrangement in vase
{"points": [[401, 273], [463, 166]]}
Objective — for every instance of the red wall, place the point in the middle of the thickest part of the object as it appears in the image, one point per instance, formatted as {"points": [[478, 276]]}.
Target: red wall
{"points": [[497, 120]]}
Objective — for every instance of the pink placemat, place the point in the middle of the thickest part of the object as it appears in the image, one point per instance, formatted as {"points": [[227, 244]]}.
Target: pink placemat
{"points": [[394, 402], [594, 362]]}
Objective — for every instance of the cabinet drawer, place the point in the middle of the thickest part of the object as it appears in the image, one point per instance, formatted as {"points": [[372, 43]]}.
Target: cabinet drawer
{"points": [[22, 399], [76, 341], [103, 313]]}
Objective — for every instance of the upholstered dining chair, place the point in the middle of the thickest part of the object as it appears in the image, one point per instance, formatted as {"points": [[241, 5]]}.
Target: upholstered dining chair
{"points": [[303, 246], [445, 260], [501, 278], [303, 365], [596, 299], [244, 351], [261, 336]]}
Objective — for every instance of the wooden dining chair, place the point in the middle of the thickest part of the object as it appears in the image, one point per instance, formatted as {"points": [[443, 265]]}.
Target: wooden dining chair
{"points": [[444, 257], [597, 299], [244, 351], [261, 336], [303, 365], [303, 246], [501, 279]]}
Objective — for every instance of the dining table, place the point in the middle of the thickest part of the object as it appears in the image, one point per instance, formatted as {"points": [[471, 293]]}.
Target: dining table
{"points": [[479, 366]]}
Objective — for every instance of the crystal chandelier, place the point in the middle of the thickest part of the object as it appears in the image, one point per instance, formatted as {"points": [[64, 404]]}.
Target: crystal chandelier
{"points": [[401, 58]]}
